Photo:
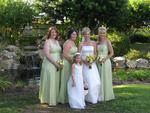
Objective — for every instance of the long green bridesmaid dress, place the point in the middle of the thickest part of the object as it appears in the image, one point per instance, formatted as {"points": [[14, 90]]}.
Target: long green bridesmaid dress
{"points": [[65, 74], [50, 77], [105, 70]]}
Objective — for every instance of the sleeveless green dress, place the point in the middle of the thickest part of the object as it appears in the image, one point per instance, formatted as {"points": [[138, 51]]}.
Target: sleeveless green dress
{"points": [[105, 70], [65, 74], [50, 77]]}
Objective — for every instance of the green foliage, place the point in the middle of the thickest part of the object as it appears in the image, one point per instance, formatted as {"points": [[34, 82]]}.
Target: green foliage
{"points": [[121, 14], [120, 42], [147, 55], [133, 54], [30, 40], [4, 83], [131, 75], [15, 14], [139, 13], [140, 35], [20, 84], [86, 12]]}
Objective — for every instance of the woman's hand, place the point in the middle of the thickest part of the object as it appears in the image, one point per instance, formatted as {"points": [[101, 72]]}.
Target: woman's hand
{"points": [[85, 62], [103, 60], [57, 65]]}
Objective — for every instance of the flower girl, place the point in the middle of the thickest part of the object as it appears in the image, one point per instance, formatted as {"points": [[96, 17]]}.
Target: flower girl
{"points": [[76, 85]]}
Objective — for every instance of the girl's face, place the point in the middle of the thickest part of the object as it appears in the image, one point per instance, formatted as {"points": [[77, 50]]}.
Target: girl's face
{"points": [[78, 59], [102, 36], [86, 35], [53, 34], [73, 36]]}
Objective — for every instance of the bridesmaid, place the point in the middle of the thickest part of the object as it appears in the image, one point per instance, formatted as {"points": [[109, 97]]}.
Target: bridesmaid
{"points": [[69, 49], [105, 52], [50, 76]]}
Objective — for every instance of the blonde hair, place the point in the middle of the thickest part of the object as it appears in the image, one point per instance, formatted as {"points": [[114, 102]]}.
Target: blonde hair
{"points": [[102, 30], [86, 30]]}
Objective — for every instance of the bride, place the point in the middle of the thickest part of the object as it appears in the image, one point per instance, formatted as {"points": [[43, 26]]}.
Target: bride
{"points": [[91, 75]]}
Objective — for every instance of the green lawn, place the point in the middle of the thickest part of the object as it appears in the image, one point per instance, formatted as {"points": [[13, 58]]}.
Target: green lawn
{"points": [[131, 98]]}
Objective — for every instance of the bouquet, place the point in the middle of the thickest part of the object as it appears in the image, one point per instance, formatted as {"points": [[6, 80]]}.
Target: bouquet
{"points": [[100, 58], [61, 63], [90, 59]]}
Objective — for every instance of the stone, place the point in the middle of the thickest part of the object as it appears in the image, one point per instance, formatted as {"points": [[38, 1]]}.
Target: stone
{"points": [[120, 62], [142, 63], [12, 48], [9, 64], [131, 63], [8, 55]]}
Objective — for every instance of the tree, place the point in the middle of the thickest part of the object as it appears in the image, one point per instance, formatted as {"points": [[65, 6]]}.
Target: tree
{"points": [[15, 14], [139, 13], [87, 12]]}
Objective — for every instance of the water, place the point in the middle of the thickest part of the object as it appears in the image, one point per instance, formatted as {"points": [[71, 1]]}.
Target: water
{"points": [[30, 76]]}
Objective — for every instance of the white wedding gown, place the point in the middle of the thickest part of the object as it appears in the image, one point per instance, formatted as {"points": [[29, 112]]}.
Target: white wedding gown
{"points": [[76, 94], [91, 76]]}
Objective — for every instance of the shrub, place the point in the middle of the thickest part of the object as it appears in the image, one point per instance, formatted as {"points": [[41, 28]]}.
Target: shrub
{"points": [[120, 42], [133, 54], [141, 35], [4, 83], [147, 55], [23, 41], [131, 75]]}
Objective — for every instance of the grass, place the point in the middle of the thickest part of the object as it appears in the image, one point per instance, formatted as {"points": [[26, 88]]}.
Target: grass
{"points": [[131, 98]]}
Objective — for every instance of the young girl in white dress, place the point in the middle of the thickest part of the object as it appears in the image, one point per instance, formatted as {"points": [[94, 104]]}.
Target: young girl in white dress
{"points": [[75, 85]]}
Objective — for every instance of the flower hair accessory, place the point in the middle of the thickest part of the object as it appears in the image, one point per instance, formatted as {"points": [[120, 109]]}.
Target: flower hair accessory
{"points": [[102, 30], [77, 54]]}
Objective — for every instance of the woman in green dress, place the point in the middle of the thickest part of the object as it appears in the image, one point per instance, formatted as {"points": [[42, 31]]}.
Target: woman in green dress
{"points": [[69, 49], [50, 71], [105, 52]]}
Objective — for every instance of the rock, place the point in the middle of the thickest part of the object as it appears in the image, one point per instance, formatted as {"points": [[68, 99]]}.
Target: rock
{"points": [[12, 48], [149, 63], [120, 62], [142, 63], [131, 63], [9, 64], [8, 55]]}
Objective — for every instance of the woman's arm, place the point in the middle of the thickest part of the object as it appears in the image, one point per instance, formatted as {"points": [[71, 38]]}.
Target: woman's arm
{"points": [[47, 53], [66, 49], [110, 48]]}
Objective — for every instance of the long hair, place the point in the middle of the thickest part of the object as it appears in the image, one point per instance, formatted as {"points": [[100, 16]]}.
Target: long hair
{"points": [[50, 30]]}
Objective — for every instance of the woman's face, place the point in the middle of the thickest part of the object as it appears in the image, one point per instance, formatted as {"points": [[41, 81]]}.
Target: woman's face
{"points": [[53, 34], [73, 36], [102, 36], [86, 35]]}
